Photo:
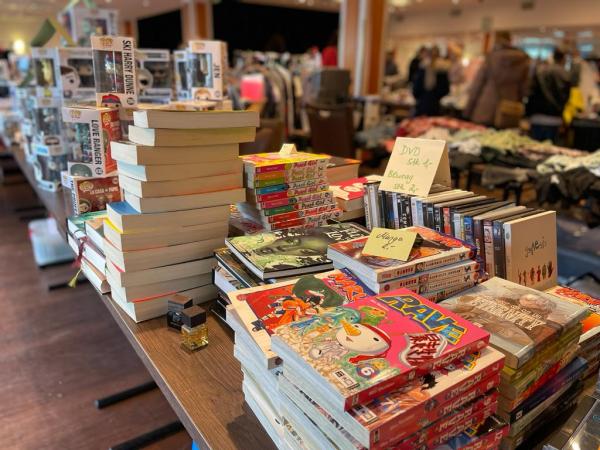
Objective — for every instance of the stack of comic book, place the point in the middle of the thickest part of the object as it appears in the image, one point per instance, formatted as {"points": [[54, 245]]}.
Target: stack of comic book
{"points": [[539, 334], [387, 371], [438, 266], [288, 189]]}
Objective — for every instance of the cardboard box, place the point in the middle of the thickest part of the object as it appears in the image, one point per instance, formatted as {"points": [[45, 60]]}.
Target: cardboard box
{"points": [[114, 71], [93, 129], [47, 171], [44, 61], [75, 72], [47, 126], [206, 69], [81, 23], [180, 71], [92, 194], [154, 74]]}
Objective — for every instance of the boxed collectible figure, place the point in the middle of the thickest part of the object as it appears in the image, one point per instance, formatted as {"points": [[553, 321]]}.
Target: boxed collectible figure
{"points": [[92, 129], [44, 61], [92, 194], [74, 71], [207, 66], [81, 23], [154, 74], [180, 69], [114, 70], [47, 126], [47, 170]]}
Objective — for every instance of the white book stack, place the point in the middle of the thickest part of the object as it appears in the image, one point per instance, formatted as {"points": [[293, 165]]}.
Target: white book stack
{"points": [[179, 174]]}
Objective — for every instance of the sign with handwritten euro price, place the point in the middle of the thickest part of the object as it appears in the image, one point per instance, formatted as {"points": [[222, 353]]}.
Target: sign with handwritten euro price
{"points": [[416, 164], [393, 244]]}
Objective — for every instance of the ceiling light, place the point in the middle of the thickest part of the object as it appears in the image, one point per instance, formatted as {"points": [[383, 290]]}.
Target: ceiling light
{"points": [[19, 46], [455, 2]]}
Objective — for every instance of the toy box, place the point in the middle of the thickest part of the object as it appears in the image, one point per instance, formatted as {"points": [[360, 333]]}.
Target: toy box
{"points": [[154, 74], [74, 71], [47, 126], [92, 194], [180, 70], [47, 169], [206, 69], [114, 70], [81, 23], [93, 129], [44, 61]]}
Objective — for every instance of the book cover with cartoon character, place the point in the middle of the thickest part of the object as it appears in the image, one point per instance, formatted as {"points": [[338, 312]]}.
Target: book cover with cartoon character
{"points": [[591, 324], [435, 250], [520, 320], [291, 252], [261, 310], [372, 346]]}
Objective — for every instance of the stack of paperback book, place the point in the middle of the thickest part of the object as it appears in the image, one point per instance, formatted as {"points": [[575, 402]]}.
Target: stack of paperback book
{"points": [[179, 174], [513, 242], [288, 189], [349, 196], [86, 238], [589, 342], [438, 267], [386, 371], [539, 334]]}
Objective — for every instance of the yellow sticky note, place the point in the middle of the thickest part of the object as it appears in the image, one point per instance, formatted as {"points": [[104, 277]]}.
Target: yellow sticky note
{"points": [[394, 244]]}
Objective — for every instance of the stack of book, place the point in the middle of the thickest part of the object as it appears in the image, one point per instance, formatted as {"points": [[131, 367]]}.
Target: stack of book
{"points": [[539, 334], [86, 238], [179, 174], [349, 196], [438, 267], [288, 189], [589, 342], [514, 242], [341, 169], [374, 374]]}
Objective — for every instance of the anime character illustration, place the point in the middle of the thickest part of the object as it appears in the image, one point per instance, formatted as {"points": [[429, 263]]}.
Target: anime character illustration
{"points": [[371, 315], [367, 341]]}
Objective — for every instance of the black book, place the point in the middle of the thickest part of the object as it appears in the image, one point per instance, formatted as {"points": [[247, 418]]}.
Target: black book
{"points": [[468, 213]]}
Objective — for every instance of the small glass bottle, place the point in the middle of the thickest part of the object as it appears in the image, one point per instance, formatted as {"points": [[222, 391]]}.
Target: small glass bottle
{"points": [[194, 331]]}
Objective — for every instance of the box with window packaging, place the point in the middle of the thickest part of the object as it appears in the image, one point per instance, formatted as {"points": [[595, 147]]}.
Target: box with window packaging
{"points": [[206, 69], [114, 71], [180, 71], [44, 61], [47, 170], [74, 71], [154, 74], [92, 129], [92, 194], [81, 23], [47, 129]]}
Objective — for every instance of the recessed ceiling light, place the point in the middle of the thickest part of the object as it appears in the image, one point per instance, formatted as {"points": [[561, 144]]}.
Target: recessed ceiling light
{"points": [[145, 3], [455, 2]]}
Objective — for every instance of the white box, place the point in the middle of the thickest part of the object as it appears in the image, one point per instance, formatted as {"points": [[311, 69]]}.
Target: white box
{"points": [[206, 69], [180, 71], [47, 126], [75, 73], [81, 23], [44, 61], [154, 74]]}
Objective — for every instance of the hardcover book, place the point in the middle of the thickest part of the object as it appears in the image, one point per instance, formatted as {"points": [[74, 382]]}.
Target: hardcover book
{"points": [[521, 320], [263, 309], [435, 250], [291, 252], [372, 346]]}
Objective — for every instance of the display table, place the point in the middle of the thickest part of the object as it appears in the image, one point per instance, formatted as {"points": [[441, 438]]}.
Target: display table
{"points": [[203, 388]]}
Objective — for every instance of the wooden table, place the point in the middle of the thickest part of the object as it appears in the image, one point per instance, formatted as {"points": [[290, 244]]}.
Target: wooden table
{"points": [[203, 388]]}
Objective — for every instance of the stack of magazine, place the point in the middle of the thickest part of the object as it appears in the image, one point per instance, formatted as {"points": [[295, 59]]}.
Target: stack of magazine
{"points": [[86, 238], [179, 174], [288, 189], [438, 266], [539, 335]]}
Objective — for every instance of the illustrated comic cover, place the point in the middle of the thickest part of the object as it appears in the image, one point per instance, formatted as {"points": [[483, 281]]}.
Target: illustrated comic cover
{"points": [[372, 346], [275, 162], [435, 250], [263, 309], [591, 324], [291, 249], [520, 320]]}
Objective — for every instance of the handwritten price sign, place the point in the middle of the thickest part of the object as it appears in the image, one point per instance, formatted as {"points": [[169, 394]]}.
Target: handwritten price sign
{"points": [[415, 165], [394, 244]]}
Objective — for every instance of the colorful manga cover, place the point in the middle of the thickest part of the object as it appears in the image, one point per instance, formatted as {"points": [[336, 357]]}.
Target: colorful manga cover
{"points": [[375, 345], [520, 320], [435, 250], [291, 249], [591, 324], [263, 309], [275, 162]]}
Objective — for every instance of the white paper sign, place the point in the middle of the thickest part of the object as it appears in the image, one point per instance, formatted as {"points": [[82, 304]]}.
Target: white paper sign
{"points": [[416, 164]]}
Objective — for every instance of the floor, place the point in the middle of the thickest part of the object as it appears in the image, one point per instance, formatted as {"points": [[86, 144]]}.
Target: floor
{"points": [[60, 351]]}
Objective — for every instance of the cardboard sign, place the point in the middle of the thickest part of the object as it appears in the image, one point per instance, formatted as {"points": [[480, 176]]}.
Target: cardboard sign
{"points": [[393, 244], [415, 165]]}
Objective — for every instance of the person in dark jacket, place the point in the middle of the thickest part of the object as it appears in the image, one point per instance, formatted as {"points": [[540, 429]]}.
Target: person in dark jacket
{"points": [[415, 64], [550, 89], [503, 76], [431, 84]]}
